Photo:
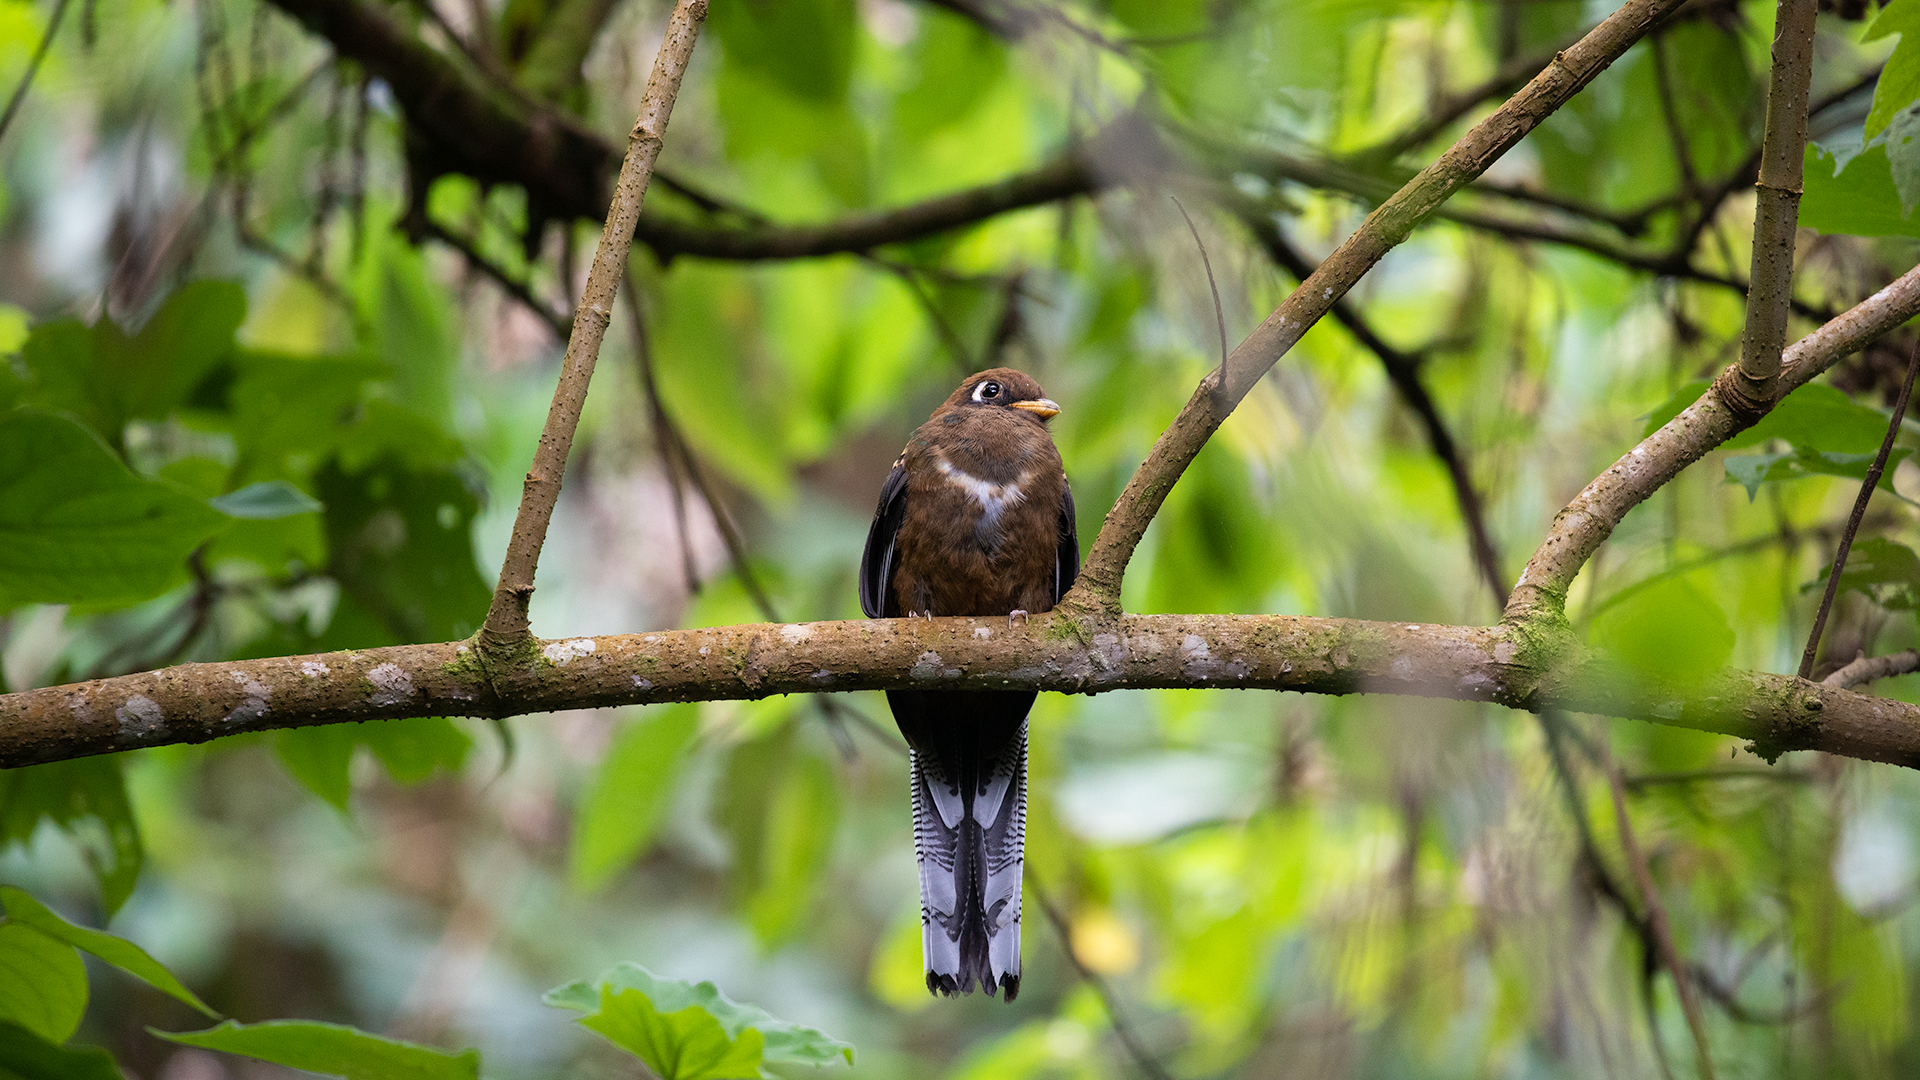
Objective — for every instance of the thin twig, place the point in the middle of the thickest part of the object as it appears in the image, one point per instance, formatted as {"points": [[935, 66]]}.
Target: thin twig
{"points": [[1853, 520], [1136, 1050], [1657, 915], [33, 67], [1219, 315], [506, 626], [1865, 669], [512, 286]]}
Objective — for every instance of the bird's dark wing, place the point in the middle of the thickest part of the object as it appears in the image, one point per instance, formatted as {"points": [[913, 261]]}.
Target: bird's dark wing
{"points": [[878, 560], [1066, 560]]}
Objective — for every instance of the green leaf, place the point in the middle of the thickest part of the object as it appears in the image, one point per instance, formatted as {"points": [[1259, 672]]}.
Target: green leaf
{"points": [[655, 1012], [1859, 199], [401, 546], [1885, 572], [1755, 469], [266, 500], [107, 377], [22, 909], [87, 798], [321, 757], [801, 818], [1899, 81], [1674, 406], [26, 1056], [629, 793], [333, 1049], [43, 984], [77, 528], [1670, 630], [685, 1045], [1818, 417]]}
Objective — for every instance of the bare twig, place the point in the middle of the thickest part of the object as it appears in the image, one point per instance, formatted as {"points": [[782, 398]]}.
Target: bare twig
{"points": [[1853, 520], [1866, 669], [506, 626], [1096, 594], [1657, 915], [33, 67], [512, 286], [1142, 1057], [1751, 387], [1219, 315]]}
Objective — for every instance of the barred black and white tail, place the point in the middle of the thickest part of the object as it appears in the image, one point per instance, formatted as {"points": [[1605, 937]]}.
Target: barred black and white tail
{"points": [[969, 834]]}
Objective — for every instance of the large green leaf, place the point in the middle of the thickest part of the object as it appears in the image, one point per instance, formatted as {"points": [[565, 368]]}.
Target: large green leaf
{"points": [[77, 528], [321, 757], [401, 546], [1670, 630], [801, 818], [629, 793], [333, 1049], [1856, 197], [690, 1031], [108, 377], [88, 799], [1886, 572], [43, 984], [1753, 470], [1899, 81], [26, 1056], [22, 909]]}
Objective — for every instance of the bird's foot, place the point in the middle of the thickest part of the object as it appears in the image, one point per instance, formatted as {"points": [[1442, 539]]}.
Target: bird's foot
{"points": [[1016, 613]]}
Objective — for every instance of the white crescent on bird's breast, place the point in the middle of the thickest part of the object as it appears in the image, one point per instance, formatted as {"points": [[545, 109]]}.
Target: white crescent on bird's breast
{"points": [[992, 499]]}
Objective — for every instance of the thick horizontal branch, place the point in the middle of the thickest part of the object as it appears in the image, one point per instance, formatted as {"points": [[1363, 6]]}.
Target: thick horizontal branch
{"points": [[1504, 664]]}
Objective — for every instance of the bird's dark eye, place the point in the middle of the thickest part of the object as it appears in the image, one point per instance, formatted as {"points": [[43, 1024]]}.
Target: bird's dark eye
{"points": [[986, 391]]}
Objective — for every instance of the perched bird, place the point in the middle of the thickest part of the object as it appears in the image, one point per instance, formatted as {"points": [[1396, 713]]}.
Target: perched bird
{"points": [[975, 519]]}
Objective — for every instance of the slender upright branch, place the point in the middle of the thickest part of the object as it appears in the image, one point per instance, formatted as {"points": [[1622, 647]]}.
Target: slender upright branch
{"points": [[506, 626], [33, 67], [1661, 930], [1840, 550], [1776, 216], [1586, 522], [1098, 590]]}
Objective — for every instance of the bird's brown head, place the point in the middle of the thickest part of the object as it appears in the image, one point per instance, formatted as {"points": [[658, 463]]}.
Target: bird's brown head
{"points": [[1001, 388]]}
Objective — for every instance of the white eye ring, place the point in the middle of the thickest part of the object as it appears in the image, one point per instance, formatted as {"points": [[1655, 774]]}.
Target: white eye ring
{"points": [[987, 389]]}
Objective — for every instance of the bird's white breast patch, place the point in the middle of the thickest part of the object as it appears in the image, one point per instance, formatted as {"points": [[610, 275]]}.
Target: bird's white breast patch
{"points": [[993, 499]]}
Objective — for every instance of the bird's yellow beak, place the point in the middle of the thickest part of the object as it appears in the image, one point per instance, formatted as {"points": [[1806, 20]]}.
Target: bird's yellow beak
{"points": [[1044, 408]]}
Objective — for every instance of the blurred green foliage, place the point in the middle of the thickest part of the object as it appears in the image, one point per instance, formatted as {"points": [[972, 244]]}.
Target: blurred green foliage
{"points": [[250, 406]]}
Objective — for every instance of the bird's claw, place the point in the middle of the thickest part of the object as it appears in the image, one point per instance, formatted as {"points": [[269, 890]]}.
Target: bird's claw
{"points": [[1016, 613]]}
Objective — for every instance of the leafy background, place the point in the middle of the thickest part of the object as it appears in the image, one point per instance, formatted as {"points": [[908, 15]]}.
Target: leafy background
{"points": [[246, 415]]}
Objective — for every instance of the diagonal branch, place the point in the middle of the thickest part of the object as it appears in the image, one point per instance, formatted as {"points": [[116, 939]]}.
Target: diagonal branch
{"points": [[506, 627], [1586, 522], [1097, 592]]}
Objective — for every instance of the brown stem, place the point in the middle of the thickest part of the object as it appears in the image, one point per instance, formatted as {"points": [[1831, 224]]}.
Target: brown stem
{"points": [[1587, 521], [1662, 931], [1853, 520], [1866, 669], [1097, 593], [506, 626], [1137, 1050], [1776, 217]]}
